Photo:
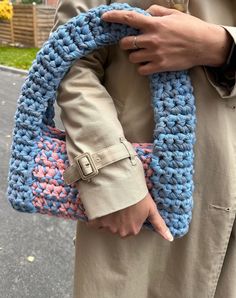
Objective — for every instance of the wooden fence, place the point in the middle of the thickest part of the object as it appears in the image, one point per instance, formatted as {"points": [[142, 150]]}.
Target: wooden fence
{"points": [[30, 26]]}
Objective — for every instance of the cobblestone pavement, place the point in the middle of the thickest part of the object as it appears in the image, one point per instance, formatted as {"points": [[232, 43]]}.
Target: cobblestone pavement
{"points": [[36, 251]]}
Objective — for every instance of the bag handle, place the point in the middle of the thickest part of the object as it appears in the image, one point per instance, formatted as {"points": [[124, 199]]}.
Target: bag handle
{"points": [[73, 40], [171, 159]]}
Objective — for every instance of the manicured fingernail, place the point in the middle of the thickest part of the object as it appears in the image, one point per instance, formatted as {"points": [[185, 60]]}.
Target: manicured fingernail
{"points": [[105, 14], [168, 236]]}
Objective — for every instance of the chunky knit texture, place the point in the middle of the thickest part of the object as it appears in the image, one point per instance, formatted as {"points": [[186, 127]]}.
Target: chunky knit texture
{"points": [[38, 153]]}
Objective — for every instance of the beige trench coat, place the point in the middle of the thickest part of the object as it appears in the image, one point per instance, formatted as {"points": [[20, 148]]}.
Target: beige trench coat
{"points": [[103, 98]]}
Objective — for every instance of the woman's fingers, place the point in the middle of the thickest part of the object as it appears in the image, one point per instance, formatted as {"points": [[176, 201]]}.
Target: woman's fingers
{"points": [[141, 56], [158, 223], [149, 68], [129, 221], [127, 43], [123, 231], [130, 18]]}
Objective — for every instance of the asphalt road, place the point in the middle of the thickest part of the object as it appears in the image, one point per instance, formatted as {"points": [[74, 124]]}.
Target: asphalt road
{"points": [[36, 251]]}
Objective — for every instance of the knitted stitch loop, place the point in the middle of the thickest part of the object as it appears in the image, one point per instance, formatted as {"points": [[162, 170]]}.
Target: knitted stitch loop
{"points": [[38, 153]]}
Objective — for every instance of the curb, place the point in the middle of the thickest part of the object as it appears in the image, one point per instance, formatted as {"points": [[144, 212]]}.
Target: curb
{"points": [[13, 70]]}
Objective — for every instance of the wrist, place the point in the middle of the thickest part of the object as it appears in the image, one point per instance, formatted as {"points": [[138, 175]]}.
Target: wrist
{"points": [[220, 43]]}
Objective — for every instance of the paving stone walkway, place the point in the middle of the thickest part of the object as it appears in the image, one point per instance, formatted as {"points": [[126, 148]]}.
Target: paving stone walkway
{"points": [[36, 251]]}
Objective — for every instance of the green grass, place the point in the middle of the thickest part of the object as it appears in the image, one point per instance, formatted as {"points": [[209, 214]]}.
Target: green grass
{"points": [[17, 57]]}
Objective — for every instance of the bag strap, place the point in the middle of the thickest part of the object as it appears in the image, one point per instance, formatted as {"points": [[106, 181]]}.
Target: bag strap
{"points": [[172, 153], [71, 41]]}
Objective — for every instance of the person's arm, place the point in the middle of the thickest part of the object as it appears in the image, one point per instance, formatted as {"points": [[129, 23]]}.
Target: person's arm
{"points": [[91, 124], [117, 198], [171, 40]]}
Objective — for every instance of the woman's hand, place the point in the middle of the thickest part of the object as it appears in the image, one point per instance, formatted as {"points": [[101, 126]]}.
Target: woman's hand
{"points": [[171, 40], [129, 221]]}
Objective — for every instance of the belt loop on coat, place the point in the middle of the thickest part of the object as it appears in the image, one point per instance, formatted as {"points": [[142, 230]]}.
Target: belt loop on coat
{"points": [[86, 165], [130, 150]]}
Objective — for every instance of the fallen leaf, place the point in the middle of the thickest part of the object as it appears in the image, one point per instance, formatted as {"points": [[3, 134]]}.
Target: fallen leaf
{"points": [[30, 259]]}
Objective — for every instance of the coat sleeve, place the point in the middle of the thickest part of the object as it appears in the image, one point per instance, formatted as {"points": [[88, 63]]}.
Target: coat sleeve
{"points": [[224, 81], [91, 124]]}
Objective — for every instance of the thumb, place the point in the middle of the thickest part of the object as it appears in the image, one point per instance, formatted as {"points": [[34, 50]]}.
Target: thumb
{"points": [[160, 11], [158, 223]]}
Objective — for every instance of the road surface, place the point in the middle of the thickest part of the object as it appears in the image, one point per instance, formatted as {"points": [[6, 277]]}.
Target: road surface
{"points": [[36, 251]]}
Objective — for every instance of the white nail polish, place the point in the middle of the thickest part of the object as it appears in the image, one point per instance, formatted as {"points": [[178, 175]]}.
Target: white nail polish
{"points": [[168, 236]]}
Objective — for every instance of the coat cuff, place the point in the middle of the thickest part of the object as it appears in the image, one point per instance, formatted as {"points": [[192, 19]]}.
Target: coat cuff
{"points": [[224, 81], [116, 187]]}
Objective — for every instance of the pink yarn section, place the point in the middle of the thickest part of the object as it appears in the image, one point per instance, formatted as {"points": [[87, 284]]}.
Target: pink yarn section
{"points": [[146, 160], [51, 195]]}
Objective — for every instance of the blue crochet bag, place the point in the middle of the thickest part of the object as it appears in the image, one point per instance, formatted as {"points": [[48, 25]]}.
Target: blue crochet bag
{"points": [[38, 152]]}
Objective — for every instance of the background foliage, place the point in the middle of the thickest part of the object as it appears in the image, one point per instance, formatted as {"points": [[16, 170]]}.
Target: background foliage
{"points": [[6, 10], [17, 57]]}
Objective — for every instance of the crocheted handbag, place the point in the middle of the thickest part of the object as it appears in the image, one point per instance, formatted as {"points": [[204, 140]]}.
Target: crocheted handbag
{"points": [[38, 152]]}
